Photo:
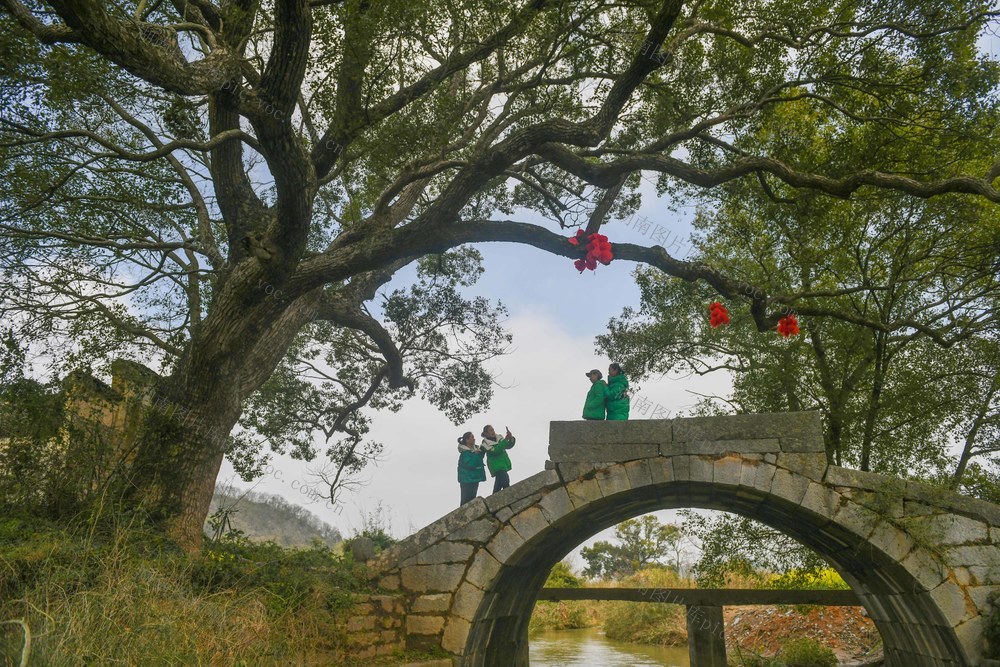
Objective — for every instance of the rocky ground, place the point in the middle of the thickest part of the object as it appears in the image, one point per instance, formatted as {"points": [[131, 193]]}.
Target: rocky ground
{"points": [[846, 630]]}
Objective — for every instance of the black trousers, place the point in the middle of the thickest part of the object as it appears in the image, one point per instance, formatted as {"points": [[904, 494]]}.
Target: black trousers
{"points": [[501, 481], [469, 491]]}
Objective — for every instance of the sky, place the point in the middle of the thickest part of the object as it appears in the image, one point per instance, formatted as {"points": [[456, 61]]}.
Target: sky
{"points": [[555, 313]]}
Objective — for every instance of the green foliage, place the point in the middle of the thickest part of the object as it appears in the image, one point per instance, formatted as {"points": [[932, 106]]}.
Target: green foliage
{"points": [[641, 542], [799, 652], [561, 576], [805, 652], [992, 630], [648, 622], [376, 525], [444, 340], [564, 615], [736, 546], [116, 591]]}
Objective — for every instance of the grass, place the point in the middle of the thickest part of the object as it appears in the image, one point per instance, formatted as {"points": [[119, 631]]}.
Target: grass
{"points": [[119, 594]]}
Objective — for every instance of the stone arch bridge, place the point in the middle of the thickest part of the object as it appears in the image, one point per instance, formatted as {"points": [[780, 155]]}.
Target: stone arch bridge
{"points": [[922, 561]]}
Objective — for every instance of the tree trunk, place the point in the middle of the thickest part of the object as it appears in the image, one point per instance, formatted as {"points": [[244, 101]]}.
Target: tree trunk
{"points": [[970, 437], [874, 404], [180, 447]]}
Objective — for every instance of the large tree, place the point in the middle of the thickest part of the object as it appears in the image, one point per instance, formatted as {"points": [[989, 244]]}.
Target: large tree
{"points": [[206, 182]]}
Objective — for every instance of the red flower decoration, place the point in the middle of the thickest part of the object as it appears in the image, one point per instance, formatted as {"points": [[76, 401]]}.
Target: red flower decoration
{"points": [[598, 250], [788, 326], [717, 314]]}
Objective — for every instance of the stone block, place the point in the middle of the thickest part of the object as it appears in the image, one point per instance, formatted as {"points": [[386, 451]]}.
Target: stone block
{"points": [[950, 599], [764, 476], [855, 479], [525, 502], [612, 480], [715, 447], [983, 561], [856, 518], [927, 572], [389, 582], [483, 570], [437, 602], [821, 500], [812, 466], [812, 444], [467, 601], [890, 540], [555, 504], [456, 634], [789, 485], [748, 471], [505, 543], [432, 578], [972, 635], [700, 469], [661, 470], [523, 489], [424, 625], [550, 465], [445, 552], [980, 596], [444, 527], [672, 448], [682, 468], [478, 531], [360, 623], [638, 473], [727, 470], [570, 470], [604, 452], [585, 432], [583, 491], [948, 529], [749, 426], [529, 523]]}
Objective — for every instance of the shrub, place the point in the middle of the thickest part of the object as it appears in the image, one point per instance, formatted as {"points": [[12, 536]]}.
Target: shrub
{"points": [[805, 652], [118, 593], [647, 622]]}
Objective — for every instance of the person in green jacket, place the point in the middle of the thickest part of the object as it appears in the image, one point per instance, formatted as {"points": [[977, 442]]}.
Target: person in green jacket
{"points": [[497, 459], [618, 398], [470, 466], [594, 407]]}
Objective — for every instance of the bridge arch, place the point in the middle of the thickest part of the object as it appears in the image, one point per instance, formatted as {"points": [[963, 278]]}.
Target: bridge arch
{"points": [[922, 562]]}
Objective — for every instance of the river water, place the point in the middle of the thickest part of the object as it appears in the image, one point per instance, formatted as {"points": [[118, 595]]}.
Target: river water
{"points": [[589, 647]]}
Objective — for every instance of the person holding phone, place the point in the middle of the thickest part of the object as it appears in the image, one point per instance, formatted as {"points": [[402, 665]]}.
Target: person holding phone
{"points": [[497, 459]]}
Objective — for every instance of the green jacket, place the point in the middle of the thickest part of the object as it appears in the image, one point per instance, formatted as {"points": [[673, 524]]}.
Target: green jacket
{"points": [[593, 408], [496, 455], [617, 400], [470, 466]]}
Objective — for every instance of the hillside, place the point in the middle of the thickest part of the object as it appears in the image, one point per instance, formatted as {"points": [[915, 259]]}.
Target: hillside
{"points": [[263, 516]]}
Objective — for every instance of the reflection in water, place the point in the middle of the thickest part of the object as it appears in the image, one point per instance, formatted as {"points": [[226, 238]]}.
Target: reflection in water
{"points": [[587, 648]]}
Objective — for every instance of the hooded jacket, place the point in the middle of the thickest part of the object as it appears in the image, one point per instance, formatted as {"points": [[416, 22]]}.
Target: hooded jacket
{"points": [[497, 459], [594, 408], [470, 465], [617, 399]]}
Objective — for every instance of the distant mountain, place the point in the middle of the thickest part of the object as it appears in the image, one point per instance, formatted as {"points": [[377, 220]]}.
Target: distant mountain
{"points": [[264, 516]]}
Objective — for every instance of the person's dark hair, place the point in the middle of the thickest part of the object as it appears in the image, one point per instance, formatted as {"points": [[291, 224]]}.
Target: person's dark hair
{"points": [[465, 435], [484, 429], [618, 369]]}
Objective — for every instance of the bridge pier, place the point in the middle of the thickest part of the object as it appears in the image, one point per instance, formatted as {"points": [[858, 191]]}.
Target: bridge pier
{"points": [[706, 636]]}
